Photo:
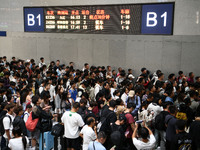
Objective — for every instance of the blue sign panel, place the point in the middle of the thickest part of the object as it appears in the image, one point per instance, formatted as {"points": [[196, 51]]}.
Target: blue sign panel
{"points": [[33, 20], [2, 33], [157, 19]]}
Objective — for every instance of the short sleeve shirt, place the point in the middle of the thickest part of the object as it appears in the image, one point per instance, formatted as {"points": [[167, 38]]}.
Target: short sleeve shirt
{"points": [[140, 145], [7, 124], [72, 121], [130, 120], [88, 136]]}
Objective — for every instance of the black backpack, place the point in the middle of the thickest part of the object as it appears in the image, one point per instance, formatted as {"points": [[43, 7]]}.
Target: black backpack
{"points": [[103, 124], [2, 130], [57, 130], [160, 121]]}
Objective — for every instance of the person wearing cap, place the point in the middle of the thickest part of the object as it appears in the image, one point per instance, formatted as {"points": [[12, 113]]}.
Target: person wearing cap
{"points": [[131, 97], [134, 98]]}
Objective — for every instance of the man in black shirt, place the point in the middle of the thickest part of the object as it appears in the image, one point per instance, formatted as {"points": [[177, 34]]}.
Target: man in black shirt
{"points": [[111, 117], [181, 140], [195, 130]]}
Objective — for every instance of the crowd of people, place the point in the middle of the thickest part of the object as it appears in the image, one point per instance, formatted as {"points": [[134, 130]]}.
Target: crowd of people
{"points": [[99, 108]]}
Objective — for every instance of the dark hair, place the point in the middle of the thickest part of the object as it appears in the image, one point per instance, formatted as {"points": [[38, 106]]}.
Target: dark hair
{"points": [[118, 101], [180, 124], [101, 134], [112, 103], [83, 101], [192, 93], [171, 76], [172, 109], [150, 87], [140, 80], [28, 106], [143, 69], [12, 83], [35, 99], [72, 82], [93, 103], [165, 104], [86, 64], [18, 109], [150, 96], [160, 74], [10, 106], [116, 91], [76, 105], [180, 72], [190, 73], [3, 105], [143, 132], [17, 131], [90, 120]]}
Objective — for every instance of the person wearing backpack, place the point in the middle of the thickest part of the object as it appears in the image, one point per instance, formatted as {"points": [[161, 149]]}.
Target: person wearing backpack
{"points": [[170, 121], [182, 140], [108, 117], [19, 142], [18, 121], [7, 125], [118, 133], [38, 112], [161, 127], [2, 114]]}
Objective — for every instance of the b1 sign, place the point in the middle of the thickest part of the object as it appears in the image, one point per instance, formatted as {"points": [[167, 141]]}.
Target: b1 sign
{"points": [[34, 19], [157, 19]]}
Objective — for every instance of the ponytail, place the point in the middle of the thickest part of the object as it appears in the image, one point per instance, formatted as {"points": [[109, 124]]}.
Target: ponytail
{"points": [[24, 141]]}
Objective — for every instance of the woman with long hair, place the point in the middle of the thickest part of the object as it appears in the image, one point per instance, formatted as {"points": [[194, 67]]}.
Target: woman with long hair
{"points": [[19, 141]]}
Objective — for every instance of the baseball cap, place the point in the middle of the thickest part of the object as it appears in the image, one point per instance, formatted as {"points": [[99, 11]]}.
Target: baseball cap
{"points": [[131, 93]]}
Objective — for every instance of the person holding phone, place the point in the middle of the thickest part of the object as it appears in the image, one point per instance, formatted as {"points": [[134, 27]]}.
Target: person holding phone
{"points": [[147, 141]]}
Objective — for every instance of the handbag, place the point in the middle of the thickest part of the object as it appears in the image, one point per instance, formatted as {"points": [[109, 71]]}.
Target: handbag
{"points": [[57, 130], [31, 123]]}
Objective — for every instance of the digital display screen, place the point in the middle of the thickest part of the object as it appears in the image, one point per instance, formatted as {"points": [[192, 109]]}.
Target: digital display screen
{"points": [[132, 19]]}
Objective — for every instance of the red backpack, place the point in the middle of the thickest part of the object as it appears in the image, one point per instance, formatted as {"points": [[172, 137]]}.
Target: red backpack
{"points": [[31, 124]]}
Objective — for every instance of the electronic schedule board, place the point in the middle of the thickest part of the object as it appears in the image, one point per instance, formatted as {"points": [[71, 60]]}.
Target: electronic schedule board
{"points": [[133, 19]]}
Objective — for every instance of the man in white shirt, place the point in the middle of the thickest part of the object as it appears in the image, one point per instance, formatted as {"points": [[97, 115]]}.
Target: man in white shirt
{"points": [[7, 123], [87, 133], [72, 122], [41, 62], [98, 87], [145, 143]]}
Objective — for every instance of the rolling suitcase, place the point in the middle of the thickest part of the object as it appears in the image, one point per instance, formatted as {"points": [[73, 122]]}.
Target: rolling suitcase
{"points": [[46, 141]]}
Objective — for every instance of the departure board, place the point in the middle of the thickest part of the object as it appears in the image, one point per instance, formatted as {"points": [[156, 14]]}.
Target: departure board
{"points": [[103, 19]]}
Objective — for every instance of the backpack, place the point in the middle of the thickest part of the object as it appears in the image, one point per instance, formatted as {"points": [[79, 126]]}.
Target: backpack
{"points": [[2, 130], [31, 124], [116, 136], [160, 122], [57, 130], [103, 124]]}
